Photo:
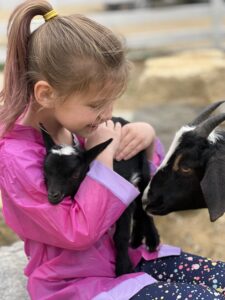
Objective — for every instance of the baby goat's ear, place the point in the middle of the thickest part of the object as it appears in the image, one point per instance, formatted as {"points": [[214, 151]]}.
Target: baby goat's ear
{"points": [[92, 153], [49, 143], [213, 187]]}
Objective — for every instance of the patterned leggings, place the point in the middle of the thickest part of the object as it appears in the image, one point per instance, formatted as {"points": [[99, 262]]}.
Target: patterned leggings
{"points": [[185, 277]]}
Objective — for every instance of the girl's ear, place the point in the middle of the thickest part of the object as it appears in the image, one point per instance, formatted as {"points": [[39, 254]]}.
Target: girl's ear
{"points": [[44, 94]]}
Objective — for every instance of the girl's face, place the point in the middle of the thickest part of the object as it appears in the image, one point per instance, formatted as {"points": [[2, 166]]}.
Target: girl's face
{"points": [[82, 113]]}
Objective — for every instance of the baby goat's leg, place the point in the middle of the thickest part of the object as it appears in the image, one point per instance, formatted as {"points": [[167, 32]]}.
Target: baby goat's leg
{"points": [[152, 238], [137, 227], [121, 239], [144, 226]]}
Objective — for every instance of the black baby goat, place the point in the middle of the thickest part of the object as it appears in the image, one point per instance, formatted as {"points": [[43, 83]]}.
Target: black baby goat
{"points": [[192, 174], [64, 174]]}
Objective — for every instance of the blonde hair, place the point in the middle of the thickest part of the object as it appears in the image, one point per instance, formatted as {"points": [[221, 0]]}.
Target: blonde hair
{"points": [[70, 52]]}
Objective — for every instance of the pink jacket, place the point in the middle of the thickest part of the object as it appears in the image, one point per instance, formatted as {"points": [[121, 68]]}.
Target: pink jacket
{"points": [[69, 246]]}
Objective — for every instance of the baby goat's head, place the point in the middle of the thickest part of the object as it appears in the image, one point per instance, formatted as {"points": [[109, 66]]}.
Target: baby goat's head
{"points": [[192, 174], [66, 166]]}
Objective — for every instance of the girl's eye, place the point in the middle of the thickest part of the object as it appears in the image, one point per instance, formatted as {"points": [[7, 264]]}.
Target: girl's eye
{"points": [[96, 106]]}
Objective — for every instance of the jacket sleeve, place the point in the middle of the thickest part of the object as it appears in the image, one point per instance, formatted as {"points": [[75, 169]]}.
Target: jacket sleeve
{"points": [[158, 156], [78, 224]]}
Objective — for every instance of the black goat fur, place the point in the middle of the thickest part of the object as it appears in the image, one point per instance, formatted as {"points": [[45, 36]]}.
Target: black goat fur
{"points": [[64, 174]]}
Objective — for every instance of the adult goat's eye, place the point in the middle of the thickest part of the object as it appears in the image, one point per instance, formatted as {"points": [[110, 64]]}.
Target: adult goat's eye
{"points": [[186, 170]]}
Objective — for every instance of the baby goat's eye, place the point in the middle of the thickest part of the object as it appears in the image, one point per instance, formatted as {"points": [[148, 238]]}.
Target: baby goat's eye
{"points": [[75, 175]]}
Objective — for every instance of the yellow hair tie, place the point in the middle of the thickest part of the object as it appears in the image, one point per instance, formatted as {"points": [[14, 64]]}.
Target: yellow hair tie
{"points": [[51, 14]]}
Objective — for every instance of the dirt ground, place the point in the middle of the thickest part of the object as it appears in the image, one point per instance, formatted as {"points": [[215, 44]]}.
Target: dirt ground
{"points": [[190, 230]]}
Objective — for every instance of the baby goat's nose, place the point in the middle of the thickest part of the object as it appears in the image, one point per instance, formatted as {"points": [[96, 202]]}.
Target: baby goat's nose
{"points": [[54, 197]]}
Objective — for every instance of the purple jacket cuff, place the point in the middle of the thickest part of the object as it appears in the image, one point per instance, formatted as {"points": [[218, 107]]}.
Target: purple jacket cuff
{"points": [[158, 156], [119, 186]]}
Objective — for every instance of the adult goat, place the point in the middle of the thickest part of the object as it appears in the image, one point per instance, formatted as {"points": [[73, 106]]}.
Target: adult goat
{"points": [[192, 174]]}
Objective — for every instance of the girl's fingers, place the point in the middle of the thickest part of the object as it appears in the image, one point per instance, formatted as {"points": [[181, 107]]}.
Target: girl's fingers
{"points": [[110, 124], [125, 130], [117, 125], [117, 130], [130, 150], [131, 154], [125, 141]]}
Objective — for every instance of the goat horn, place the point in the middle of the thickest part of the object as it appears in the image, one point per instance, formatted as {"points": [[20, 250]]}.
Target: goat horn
{"points": [[206, 127], [205, 113]]}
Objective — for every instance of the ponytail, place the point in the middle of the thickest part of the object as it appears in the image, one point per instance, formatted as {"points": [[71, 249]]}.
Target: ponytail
{"points": [[15, 95]]}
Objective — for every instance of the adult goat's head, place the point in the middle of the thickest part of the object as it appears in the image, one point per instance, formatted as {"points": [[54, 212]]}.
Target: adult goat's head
{"points": [[66, 166], [192, 174]]}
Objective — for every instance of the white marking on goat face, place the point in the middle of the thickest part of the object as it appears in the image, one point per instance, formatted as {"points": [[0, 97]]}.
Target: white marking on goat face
{"points": [[65, 150], [135, 179], [214, 137], [175, 144]]}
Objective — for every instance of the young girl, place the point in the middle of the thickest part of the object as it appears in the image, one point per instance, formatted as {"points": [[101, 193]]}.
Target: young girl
{"points": [[67, 75]]}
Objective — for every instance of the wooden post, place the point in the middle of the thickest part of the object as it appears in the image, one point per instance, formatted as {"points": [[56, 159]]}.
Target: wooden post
{"points": [[217, 10]]}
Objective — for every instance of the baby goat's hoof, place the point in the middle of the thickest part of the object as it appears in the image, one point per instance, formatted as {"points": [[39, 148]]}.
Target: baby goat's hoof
{"points": [[152, 243], [124, 267]]}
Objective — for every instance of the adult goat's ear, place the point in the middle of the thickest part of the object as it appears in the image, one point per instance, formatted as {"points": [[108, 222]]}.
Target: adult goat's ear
{"points": [[48, 141], [92, 153], [213, 187]]}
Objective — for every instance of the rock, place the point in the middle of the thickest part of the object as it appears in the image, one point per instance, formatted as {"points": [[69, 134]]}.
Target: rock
{"points": [[196, 76], [13, 281]]}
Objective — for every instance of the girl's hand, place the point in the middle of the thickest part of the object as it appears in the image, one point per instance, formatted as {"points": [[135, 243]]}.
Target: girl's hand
{"points": [[104, 132], [135, 138]]}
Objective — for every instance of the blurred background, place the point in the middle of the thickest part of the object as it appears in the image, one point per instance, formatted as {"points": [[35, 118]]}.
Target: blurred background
{"points": [[177, 50]]}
